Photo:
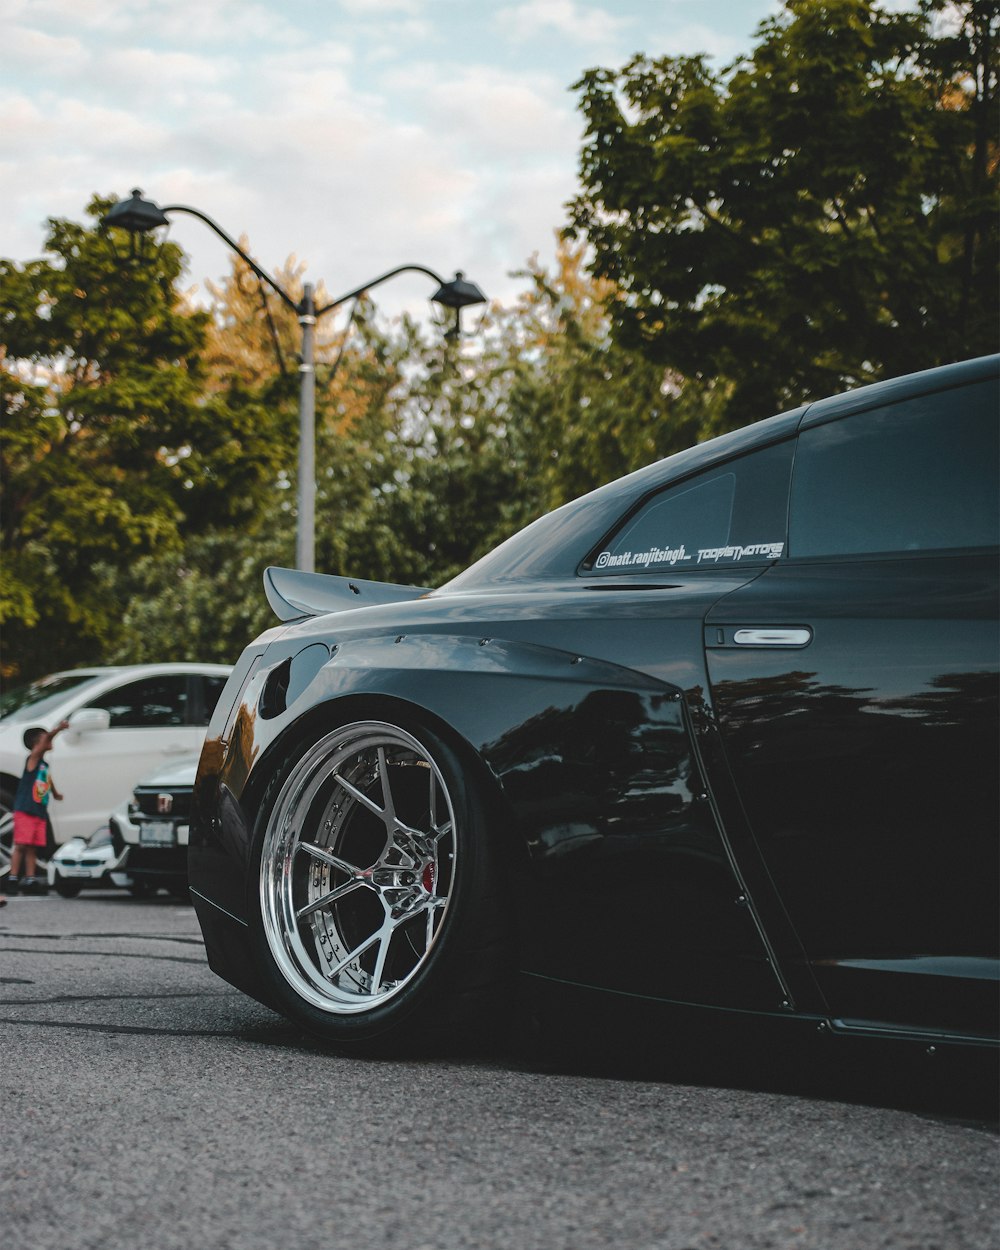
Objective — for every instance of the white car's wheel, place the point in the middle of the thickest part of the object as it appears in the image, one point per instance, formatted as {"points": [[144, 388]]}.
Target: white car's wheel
{"points": [[65, 887]]}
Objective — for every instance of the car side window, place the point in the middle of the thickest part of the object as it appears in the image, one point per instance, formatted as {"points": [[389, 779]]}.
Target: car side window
{"points": [[212, 688], [150, 703], [732, 514], [919, 475]]}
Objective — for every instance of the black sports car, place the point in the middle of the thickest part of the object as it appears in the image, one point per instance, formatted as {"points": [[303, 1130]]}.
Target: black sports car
{"points": [[721, 734]]}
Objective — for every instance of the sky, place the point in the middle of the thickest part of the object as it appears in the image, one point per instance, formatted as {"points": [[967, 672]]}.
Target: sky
{"points": [[355, 135]]}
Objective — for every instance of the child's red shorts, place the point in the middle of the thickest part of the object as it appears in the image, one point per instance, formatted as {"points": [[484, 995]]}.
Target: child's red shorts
{"points": [[29, 830]]}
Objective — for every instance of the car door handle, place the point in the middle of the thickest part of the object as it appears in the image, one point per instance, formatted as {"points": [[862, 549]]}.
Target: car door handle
{"points": [[795, 636]]}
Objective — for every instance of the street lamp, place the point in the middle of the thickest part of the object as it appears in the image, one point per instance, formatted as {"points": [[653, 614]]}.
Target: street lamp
{"points": [[141, 217]]}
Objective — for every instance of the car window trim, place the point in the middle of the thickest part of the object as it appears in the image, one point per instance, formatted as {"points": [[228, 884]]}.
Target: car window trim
{"points": [[925, 553]]}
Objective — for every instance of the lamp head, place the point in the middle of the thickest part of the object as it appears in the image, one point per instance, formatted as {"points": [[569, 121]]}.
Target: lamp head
{"points": [[458, 294], [136, 215], [140, 218]]}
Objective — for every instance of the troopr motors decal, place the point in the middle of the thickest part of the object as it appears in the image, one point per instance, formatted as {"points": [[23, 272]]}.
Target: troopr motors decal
{"points": [[679, 555]]}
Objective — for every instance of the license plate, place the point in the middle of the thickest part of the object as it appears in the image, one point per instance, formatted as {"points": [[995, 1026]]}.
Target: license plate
{"points": [[159, 834], [74, 872]]}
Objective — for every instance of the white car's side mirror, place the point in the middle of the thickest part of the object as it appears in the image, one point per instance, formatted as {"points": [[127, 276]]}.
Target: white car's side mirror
{"points": [[89, 720]]}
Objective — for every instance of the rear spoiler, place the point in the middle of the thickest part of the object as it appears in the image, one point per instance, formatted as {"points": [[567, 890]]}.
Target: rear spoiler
{"points": [[293, 594]]}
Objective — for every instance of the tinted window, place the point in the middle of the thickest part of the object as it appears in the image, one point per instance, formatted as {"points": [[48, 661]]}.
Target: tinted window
{"points": [[730, 515], [152, 702], [34, 701], [915, 476], [212, 689]]}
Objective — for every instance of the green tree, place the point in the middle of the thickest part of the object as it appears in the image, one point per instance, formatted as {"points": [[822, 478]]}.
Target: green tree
{"points": [[821, 213], [113, 447], [99, 395], [579, 407]]}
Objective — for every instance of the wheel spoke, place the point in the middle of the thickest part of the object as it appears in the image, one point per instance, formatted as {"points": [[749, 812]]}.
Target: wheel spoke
{"points": [[432, 803], [360, 795], [328, 899], [385, 939], [354, 955], [390, 807], [326, 857]]}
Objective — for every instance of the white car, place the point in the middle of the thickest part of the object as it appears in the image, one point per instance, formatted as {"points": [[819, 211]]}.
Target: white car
{"points": [[124, 723], [149, 834], [88, 863]]}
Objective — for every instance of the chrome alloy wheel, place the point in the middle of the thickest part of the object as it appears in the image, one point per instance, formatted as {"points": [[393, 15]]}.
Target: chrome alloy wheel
{"points": [[357, 867]]}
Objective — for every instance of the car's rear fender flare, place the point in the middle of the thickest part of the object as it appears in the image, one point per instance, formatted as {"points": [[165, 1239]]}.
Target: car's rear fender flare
{"points": [[568, 746], [484, 694]]}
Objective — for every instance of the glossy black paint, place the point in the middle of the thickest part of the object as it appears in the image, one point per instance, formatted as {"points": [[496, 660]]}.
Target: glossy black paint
{"points": [[808, 830], [591, 762], [871, 786]]}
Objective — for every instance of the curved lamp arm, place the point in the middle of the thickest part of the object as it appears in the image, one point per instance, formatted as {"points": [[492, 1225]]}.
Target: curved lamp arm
{"points": [[303, 307], [342, 299], [261, 273]]}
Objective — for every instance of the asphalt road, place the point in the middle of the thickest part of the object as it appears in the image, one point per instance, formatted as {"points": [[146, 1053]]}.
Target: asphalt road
{"points": [[148, 1105]]}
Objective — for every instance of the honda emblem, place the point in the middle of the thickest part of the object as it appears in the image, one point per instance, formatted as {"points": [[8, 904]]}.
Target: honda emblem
{"points": [[164, 804]]}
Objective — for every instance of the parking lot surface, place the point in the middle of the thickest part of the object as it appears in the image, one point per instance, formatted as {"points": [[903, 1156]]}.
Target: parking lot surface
{"points": [[148, 1104]]}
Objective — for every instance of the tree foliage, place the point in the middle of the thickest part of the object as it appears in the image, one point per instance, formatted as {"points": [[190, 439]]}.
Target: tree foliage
{"points": [[822, 213], [113, 447], [100, 398]]}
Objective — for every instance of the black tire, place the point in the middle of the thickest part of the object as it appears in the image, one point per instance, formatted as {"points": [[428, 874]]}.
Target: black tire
{"points": [[142, 889], [65, 887], [374, 893]]}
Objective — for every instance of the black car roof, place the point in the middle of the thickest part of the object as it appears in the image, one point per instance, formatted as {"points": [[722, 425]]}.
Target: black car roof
{"points": [[894, 390], [539, 551]]}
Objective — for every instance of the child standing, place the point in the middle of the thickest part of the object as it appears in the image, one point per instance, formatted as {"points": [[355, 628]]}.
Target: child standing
{"points": [[34, 790]]}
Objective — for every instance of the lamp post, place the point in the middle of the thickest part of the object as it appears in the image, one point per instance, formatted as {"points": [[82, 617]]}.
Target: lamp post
{"points": [[141, 217]]}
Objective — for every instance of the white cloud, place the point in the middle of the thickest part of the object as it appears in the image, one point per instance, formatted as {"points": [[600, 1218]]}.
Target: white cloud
{"points": [[50, 54], [694, 38], [489, 114], [378, 8], [538, 18], [188, 21], [358, 135], [160, 76]]}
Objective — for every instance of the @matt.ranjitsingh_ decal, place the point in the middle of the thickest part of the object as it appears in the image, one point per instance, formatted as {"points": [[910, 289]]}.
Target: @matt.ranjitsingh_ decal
{"points": [[660, 556]]}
